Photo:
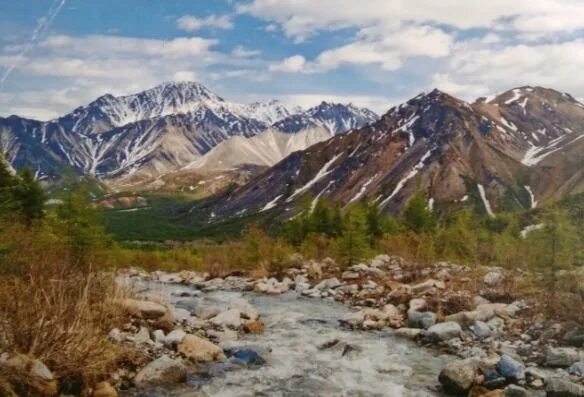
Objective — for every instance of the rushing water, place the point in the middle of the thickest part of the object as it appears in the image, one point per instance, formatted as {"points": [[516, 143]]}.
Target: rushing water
{"points": [[359, 364]]}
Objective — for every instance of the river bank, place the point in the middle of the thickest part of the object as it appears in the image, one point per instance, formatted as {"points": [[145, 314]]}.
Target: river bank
{"points": [[475, 345]]}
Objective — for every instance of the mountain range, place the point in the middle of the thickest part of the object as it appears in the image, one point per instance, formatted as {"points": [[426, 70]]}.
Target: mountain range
{"points": [[143, 136], [512, 151], [515, 150]]}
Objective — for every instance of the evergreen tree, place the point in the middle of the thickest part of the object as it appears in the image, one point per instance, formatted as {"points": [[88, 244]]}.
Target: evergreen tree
{"points": [[353, 244], [322, 217], [417, 216], [7, 183], [29, 197]]}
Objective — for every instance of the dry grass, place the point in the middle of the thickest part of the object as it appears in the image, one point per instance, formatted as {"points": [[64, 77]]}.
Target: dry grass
{"points": [[55, 311]]}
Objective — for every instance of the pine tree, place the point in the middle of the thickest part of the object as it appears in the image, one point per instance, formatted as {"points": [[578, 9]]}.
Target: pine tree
{"points": [[29, 196], [7, 184], [417, 216], [353, 244]]}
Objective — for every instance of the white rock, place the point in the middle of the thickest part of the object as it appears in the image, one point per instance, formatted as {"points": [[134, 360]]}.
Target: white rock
{"points": [[163, 370], [174, 337], [228, 318], [245, 308]]}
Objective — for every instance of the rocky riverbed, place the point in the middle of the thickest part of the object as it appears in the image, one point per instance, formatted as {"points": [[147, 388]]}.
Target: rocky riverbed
{"points": [[382, 328]]}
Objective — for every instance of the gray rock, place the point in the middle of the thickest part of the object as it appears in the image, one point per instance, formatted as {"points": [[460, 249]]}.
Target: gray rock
{"points": [[510, 368], [409, 333], [444, 331], [558, 387], [174, 337], [329, 283], [350, 275], [574, 337], [245, 308], [480, 329], [458, 376], [158, 336], [422, 320], [576, 369], [493, 278], [516, 391], [228, 318], [115, 335], [163, 370], [562, 356]]}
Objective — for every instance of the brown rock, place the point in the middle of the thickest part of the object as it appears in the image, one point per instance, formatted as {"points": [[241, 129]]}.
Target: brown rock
{"points": [[479, 391], [143, 308], [104, 389], [255, 327], [200, 350]]}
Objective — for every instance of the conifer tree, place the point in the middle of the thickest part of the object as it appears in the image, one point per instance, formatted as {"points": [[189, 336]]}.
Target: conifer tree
{"points": [[417, 216], [353, 244], [29, 197]]}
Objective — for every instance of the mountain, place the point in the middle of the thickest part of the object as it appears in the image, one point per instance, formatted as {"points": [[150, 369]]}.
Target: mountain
{"points": [[142, 136], [523, 147], [335, 117], [264, 149]]}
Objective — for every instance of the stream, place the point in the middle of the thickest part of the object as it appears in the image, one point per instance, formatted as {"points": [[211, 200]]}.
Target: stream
{"points": [[308, 353]]}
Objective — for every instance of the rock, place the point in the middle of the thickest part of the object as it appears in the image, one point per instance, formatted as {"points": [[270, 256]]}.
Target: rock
{"points": [[171, 278], [562, 356], [104, 389], [480, 329], [574, 337], [255, 327], [422, 320], [458, 376], [350, 275], [444, 331], [158, 336], [409, 333], [115, 335], [181, 314], [199, 350], [230, 318], [329, 283], [39, 376], [516, 391], [174, 337], [417, 304], [206, 312], [427, 286], [226, 335], [163, 370], [393, 316], [380, 261], [510, 368], [245, 308], [479, 391], [375, 272], [576, 369], [142, 337], [493, 278], [143, 308], [314, 270], [245, 357], [558, 387]]}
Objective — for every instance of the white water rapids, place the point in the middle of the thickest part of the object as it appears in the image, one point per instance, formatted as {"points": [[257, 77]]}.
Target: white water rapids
{"points": [[360, 364]]}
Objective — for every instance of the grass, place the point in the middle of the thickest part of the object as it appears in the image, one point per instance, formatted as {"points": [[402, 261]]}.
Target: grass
{"points": [[55, 310]]}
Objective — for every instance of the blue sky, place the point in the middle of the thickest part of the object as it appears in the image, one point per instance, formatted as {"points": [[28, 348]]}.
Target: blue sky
{"points": [[59, 54]]}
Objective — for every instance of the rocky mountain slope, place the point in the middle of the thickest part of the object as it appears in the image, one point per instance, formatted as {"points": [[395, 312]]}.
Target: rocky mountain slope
{"points": [[523, 147], [148, 134]]}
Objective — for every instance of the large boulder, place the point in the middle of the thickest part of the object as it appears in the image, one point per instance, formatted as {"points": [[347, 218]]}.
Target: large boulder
{"points": [[558, 387], [444, 331], [458, 376], [493, 278], [199, 350], [163, 370], [328, 283], [574, 337], [562, 356], [143, 308]]}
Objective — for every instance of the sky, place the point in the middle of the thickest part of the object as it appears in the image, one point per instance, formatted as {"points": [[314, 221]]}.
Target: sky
{"points": [[56, 55]]}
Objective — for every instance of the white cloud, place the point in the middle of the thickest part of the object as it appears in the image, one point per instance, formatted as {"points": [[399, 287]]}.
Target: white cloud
{"points": [[293, 64], [103, 45], [191, 23], [301, 19], [242, 52], [477, 70], [185, 75], [389, 49]]}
